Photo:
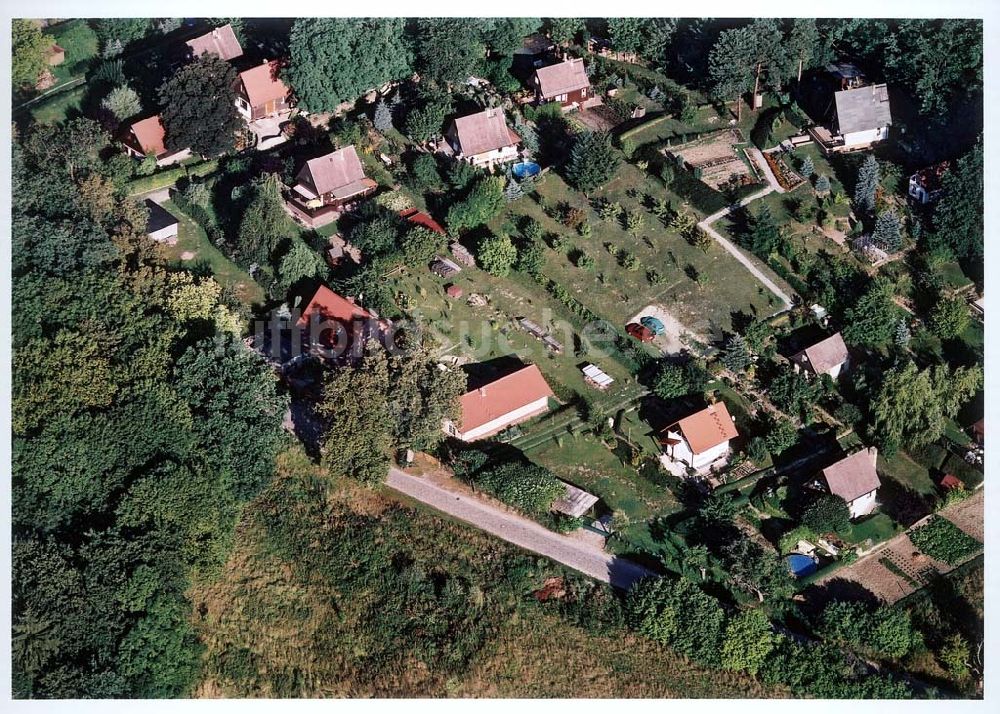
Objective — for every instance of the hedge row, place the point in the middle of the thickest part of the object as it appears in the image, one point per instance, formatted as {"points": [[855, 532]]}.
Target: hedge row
{"points": [[169, 177]]}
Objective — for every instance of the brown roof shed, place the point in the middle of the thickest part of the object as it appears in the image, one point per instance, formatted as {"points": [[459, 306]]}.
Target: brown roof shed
{"points": [[482, 132], [221, 41]]}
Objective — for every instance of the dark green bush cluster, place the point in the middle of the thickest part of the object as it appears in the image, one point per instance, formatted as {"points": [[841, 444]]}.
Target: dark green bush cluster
{"points": [[525, 486]]}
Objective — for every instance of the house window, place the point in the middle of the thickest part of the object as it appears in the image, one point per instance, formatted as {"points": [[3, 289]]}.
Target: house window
{"points": [[560, 97], [243, 103], [583, 92]]}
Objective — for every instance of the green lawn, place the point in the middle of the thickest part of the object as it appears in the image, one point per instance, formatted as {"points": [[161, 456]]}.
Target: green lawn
{"points": [[878, 527], [56, 108], [617, 294], [655, 129], [954, 276], [486, 333], [803, 234], [589, 464], [907, 472], [192, 239]]}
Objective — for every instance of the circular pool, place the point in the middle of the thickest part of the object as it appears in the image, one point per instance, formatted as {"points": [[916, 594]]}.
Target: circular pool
{"points": [[525, 169]]}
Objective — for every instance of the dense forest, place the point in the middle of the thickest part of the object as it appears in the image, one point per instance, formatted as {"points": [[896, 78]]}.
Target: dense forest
{"points": [[142, 425]]}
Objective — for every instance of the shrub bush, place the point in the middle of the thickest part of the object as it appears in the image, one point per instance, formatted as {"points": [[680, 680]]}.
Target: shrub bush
{"points": [[525, 486]]}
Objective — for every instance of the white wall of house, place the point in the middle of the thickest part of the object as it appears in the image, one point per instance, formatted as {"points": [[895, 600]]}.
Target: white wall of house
{"points": [[243, 106], [497, 156], [863, 505], [173, 158], [524, 413], [919, 193], [869, 136], [835, 371], [682, 452]]}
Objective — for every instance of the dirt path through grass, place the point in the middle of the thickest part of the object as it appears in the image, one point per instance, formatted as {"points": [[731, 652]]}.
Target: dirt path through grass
{"points": [[706, 225]]}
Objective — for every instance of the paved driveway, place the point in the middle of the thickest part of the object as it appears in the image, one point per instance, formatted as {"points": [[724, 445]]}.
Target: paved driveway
{"points": [[583, 554]]}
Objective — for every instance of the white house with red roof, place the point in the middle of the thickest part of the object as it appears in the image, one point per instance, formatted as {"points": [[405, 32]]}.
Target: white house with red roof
{"points": [[483, 139], [261, 93], [493, 407], [147, 137], [701, 439], [856, 480]]}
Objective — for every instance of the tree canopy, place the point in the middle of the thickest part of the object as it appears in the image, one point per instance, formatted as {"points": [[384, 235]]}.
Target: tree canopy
{"points": [[592, 161], [958, 217], [199, 107], [336, 59], [912, 405], [28, 47], [130, 418], [448, 48]]}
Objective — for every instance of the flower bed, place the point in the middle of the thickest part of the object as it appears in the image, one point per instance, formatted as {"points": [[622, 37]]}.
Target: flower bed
{"points": [[786, 177]]}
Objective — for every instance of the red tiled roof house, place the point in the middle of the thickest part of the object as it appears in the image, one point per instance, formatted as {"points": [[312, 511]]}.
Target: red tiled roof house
{"points": [[221, 42], [419, 218], [332, 322], [483, 139], [855, 480], [146, 137], [261, 93], [493, 407], [566, 83], [701, 439], [829, 356]]}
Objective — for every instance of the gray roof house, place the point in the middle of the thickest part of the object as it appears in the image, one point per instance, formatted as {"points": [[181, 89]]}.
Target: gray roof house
{"points": [[863, 115], [828, 356], [855, 480]]}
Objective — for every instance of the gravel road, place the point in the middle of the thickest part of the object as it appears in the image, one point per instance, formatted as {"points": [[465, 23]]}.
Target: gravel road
{"points": [[523, 532]]}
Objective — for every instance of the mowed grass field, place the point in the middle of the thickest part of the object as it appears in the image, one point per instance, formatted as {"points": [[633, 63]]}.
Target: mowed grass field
{"points": [[616, 293], [491, 332], [191, 238], [586, 462]]}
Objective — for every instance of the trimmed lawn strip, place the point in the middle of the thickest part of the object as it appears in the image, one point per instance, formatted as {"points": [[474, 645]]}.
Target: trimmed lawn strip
{"points": [[191, 237], [909, 473]]}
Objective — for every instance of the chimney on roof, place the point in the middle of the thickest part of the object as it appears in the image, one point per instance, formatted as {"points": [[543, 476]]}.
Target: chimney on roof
{"points": [[215, 33]]}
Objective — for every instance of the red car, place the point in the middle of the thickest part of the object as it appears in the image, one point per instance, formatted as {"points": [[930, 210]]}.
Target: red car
{"points": [[639, 332]]}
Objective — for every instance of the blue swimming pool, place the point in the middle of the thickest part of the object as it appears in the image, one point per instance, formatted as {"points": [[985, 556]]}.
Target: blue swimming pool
{"points": [[800, 565], [525, 169]]}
